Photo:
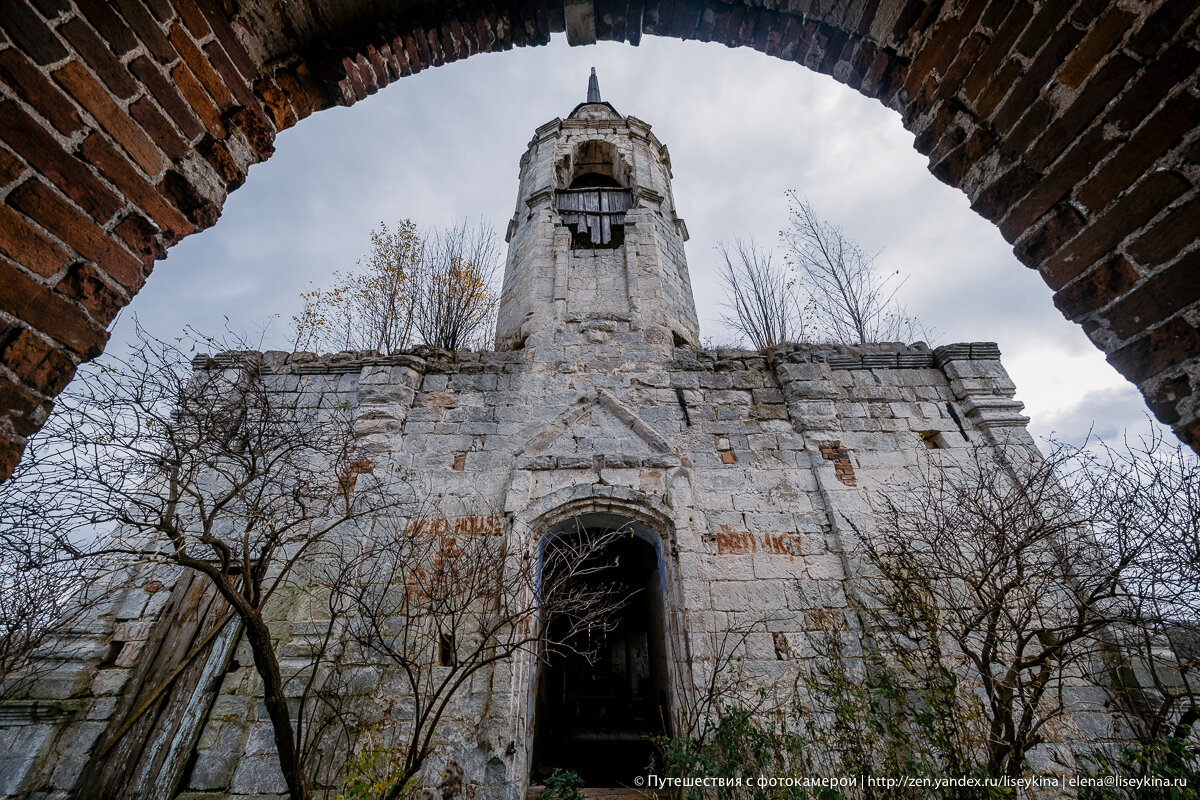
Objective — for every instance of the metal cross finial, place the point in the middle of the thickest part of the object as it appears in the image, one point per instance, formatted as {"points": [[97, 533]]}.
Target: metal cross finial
{"points": [[593, 88]]}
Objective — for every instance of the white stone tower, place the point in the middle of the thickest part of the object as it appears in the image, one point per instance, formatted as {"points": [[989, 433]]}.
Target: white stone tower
{"points": [[595, 246]]}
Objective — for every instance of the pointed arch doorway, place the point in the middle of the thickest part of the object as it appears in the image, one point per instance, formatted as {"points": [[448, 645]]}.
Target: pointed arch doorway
{"points": [[603, 699]]}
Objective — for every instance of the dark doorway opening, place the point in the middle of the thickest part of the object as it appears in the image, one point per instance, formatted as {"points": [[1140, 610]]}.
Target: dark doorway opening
{"points": [[603, 700]]}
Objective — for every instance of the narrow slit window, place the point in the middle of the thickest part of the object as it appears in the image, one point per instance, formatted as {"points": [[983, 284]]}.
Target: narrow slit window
{"points": [[446, 654]]}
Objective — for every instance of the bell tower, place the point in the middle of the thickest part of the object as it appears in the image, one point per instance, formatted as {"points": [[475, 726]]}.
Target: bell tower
{"points": [[595, 251]]}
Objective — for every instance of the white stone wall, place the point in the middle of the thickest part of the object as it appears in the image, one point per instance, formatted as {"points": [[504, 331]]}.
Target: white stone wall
{"points": [[751, 501]]}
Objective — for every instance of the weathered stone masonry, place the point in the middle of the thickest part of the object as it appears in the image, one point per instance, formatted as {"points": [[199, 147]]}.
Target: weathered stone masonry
{"points": [[748, 475], [1071, 124], [753, 511]]}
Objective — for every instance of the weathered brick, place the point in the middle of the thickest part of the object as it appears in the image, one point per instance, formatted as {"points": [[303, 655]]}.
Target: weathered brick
{"points": [[834, 42], [141, 237], [1032, 124], [196, 24], [84, 284], [1048, 236], [198, 99], [35, 361], [1058, 184], [25, 410], [92, 96], [1161, 26], [37, 146], [147, 29], [216, 154], [219, 23], [1035, 77], [11, 168], [29, 84], [1086, 11], [159, 127], [1163, 398], [995, 199], [229, 74], [1159, 77], [1095, 289], [257, 131], [10, 450], [1099, 42], [106, 20], [99, 57], [1169, 236], [135, 188], [29, 247], [959, 161], [1104, 85], [1161, 133], [942, 47], [956, 73], [1016, 17], [197, 208], [297, 96], [1189, 434], [909, 21], [1131, 212], [999, 88], [354, 77], [1157, 299], [161, 9], [168, 97], [1173, 343], [196, 61], [46, 207], [276, 103], [1044, 25], [52, 8], [50, 313], [30, 32], [934, 128]]}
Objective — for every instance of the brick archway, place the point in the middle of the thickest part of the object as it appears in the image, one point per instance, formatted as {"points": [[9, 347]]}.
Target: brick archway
{"points": [[1071, 124]]}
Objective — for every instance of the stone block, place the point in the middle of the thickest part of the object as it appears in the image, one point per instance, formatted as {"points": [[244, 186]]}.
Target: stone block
{"points": [[259, 774]]}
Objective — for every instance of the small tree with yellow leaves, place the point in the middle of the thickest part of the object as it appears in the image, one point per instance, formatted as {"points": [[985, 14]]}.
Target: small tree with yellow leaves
{"points": [[413, 287]]}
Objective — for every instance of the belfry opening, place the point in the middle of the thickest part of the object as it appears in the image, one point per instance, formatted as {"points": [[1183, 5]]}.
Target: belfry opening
{"points": [[603, 696]]}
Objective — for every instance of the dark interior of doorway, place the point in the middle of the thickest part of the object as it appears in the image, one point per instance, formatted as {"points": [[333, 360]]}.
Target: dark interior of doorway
{"points": [[603, 700]]}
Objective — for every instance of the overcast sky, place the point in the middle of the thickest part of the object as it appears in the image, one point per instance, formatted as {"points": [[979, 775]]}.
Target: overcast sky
{"points": [[742, 129]]}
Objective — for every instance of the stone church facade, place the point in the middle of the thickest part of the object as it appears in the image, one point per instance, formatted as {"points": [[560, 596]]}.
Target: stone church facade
{"points": [[742, 474]]}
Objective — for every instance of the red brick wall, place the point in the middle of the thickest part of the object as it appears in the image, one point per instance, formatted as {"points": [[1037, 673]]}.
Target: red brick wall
{"points": [[1071, 125]]}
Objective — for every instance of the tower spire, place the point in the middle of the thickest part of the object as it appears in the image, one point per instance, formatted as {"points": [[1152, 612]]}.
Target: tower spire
{"points": [[593, 88]]}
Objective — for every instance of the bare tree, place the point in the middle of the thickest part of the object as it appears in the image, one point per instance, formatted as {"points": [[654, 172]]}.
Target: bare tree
{"points": [[432, 288], [995, 570], [372, 309], [762, 299], [438, 607], [43, 590], [456, 305], [212, 469], [853, 302], [1148, 491]]}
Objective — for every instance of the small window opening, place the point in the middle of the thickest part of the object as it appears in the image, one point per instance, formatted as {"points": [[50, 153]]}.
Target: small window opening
{"points": [[594, 197], [111, 654], [446, 654], [932, 439]]}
